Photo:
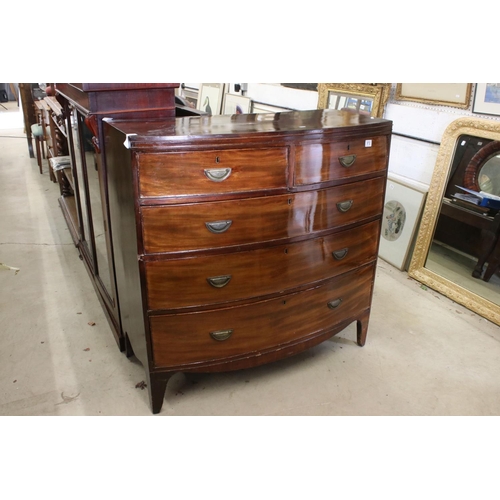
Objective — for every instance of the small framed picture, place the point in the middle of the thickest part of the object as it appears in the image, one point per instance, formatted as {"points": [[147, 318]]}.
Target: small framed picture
{"points": [[210, 98], [487, 99], [236, 104], [402, 211]]}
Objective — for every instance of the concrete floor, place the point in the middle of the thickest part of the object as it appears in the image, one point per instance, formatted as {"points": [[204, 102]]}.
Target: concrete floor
{"points": [[424, 355]]}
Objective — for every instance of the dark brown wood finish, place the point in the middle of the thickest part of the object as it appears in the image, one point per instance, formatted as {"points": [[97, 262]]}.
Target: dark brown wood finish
{"points": [[192, 282], [180, 339], [25, 92], [332, 161], [183, 227], [212, 172], [78, 126], [257, 263]]}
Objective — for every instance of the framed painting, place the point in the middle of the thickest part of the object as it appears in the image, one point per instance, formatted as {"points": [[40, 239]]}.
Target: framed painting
{"points": [[402, 211], [236, 104], [487, 99], [210, 98], [445, 94]]}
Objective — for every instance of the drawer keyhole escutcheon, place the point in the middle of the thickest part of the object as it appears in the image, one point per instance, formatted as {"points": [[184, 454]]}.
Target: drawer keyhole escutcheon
{"points": [[333, 304], [219, 226], [344, 206], [347, 161], [217, 174], [221, 335], [219, 281], [340, 254]]}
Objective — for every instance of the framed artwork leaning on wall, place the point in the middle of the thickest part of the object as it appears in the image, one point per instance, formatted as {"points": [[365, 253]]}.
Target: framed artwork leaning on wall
{"points": [[236, 104], [403, 206], [210, 98]]}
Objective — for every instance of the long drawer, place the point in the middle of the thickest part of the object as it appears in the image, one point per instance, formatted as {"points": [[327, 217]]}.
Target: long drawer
{"points": [[316, 163], [212, 172], [253, 220], [213, 335], [217, 279]]}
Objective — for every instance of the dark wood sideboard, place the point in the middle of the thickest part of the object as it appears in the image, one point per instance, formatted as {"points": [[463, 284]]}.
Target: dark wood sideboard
{"points": [[76, 131], [240, 240]]}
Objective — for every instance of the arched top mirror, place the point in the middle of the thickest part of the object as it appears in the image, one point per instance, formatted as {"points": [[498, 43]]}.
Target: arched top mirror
{"points": [[457, 251], [364, 98]]}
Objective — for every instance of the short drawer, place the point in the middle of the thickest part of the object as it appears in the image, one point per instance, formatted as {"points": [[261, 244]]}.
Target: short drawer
{"points": [[316, 163], [253, 220], [217, 279], [212, 172], [199, 337]]}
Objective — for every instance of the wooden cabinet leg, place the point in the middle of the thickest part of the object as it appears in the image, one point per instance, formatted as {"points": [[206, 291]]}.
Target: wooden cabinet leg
{"points": [[157, 386], [362, 328], [129, 352]]}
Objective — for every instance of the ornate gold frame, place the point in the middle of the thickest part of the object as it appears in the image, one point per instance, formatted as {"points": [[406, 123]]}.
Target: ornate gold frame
{"points": [[465, 105], [379, 92], [479, 128]]}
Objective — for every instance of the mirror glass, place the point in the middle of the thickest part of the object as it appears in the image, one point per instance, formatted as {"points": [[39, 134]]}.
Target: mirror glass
{"points": [[344, 101], [457, 251], [92, 162], [364, 98], [489, 176]]}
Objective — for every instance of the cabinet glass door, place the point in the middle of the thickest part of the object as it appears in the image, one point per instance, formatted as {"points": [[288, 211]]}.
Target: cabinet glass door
{"points": [[80, 181], [92, 164], [92, 225]]}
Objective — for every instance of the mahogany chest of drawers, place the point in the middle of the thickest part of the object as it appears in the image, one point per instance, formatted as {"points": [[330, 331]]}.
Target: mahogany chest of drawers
{"points": [[240, 240]]}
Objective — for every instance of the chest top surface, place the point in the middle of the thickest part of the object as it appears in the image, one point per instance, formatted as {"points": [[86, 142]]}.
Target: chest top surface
{"points": [[313, 123]]}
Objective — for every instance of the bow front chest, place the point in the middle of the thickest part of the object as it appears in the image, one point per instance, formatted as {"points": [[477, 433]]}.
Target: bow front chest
{"points": [[240, 240]]}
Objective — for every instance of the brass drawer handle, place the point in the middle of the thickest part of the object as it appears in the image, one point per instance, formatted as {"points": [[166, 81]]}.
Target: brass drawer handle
{"points": [[347, 161], [221, 335], [334, 303], [340, 254], [219, 226], [344, 206], [217, 174], [219, 281]]}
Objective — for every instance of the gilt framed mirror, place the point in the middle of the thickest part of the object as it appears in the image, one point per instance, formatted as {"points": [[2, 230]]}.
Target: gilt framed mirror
{"points": [[457, 251], [365, 98]]}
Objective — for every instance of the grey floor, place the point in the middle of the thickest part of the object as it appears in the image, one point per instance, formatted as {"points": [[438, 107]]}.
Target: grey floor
{"points": [[425, 355]]}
